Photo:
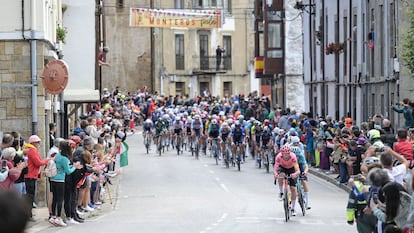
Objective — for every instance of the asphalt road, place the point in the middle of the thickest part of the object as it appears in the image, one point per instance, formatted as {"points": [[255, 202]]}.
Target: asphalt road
{"points": [[179, 194]]}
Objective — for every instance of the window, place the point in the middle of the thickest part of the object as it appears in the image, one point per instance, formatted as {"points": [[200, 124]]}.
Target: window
{"points": [[120, 3], [227, 89], [179, 4], [227, 53], [274, 40], [204, 52], [179, 51], [210, 3], [180, 88]]}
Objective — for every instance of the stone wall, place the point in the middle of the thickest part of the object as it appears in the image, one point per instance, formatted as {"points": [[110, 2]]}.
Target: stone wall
{"points": [[15, 94]]}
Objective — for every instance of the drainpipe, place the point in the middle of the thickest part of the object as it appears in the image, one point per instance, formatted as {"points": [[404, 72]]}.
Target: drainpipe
{"points": [[387, 55], [33, 55]]}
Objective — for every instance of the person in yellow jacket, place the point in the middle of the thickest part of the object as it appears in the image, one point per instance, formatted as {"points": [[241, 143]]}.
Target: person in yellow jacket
{"points": [[366, 223]]}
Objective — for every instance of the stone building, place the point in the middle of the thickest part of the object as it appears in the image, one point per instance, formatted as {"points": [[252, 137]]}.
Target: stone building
{"points": [[352, 65], [179, 59], [27, 42]]}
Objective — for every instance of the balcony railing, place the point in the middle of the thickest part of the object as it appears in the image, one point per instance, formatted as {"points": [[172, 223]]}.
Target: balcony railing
{"points": [[211, 64]]}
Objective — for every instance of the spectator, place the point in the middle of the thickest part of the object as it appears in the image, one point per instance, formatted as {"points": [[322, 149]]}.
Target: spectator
{"points": [[404, 108], [404, 147], [34, 163], [397, 173], [57, 182], [14, 213], [397, 205], [13, 172], [6, 141]]}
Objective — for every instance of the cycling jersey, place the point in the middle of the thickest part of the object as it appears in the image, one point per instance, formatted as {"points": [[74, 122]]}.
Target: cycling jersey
{"points": [[214, 130], [238, 134], [287, 164], [224, 134], [148, 126], [266, 137]]}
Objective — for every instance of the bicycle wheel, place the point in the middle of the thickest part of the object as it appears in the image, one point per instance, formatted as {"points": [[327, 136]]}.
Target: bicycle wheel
{"points": [[197, 150], [286, 205], [266, 162], [301, 199], [238, 159], [227, 158]]}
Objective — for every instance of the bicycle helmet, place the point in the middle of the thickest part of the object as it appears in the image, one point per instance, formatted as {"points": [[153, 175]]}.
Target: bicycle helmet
{"points": [[166, 116], [285, 149], [266, 122], [214, 121], [374, 134], [148, 120], [266, 129], [240, 117], [177, 118], [294, 139]]}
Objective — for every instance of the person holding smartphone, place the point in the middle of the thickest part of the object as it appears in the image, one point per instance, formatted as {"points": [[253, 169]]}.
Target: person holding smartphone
{"points": [[405, 107], [8, 155]]}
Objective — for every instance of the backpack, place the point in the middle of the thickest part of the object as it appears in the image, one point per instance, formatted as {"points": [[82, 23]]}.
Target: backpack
{"points": [[51, 169]]}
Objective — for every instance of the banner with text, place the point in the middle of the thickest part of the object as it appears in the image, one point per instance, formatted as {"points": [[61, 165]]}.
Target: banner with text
{"points": [[144, 17]]}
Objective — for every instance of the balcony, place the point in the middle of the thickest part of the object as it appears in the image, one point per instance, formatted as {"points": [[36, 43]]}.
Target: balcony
{"points": [[211, 65]]}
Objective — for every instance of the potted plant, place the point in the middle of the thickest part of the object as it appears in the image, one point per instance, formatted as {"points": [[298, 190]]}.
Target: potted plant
{"points": [[61, 34], [335, 48]]}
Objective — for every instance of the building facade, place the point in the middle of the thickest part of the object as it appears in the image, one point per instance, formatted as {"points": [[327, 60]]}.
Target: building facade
{"points": [[28, 41], [180, 60], [352, 65]]}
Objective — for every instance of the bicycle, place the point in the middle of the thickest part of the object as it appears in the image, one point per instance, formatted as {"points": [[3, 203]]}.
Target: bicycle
{"points": [[195, 149], [267, 153], [286, 197], [214, 149], [178, 144], [301, 194], [147, 141], [237, 156]]}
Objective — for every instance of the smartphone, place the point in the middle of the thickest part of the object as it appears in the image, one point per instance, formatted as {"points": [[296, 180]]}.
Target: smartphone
{"points": [[3, 165], [375, 197]]}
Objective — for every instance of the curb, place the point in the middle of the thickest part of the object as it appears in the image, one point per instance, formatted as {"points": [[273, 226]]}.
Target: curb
{"points": [[321, 174], [41, 213]]}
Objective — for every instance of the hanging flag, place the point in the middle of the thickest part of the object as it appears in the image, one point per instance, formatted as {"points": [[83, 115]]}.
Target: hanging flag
{"points": [[123, 154]]}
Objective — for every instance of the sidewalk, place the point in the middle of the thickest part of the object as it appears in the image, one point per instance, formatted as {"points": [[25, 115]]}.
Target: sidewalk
{"points": [[41, 214], [329, 177]]}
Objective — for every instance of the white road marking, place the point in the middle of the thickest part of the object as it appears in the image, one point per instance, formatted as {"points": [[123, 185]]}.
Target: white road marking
{"points": [[224, 187]]}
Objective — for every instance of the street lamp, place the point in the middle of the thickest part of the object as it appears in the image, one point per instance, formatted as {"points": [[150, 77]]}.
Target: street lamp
{"points": [[309, 8]]}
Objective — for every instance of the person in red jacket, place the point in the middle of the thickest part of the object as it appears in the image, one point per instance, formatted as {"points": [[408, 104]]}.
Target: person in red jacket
{"points": [[403, 146], [34, 162]]}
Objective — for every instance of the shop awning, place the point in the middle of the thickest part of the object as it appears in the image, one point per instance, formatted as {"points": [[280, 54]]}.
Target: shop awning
{"points": [[81, 96]]}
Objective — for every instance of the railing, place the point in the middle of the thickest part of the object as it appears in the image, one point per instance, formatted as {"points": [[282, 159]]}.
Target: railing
{"points": [[212, 64]]}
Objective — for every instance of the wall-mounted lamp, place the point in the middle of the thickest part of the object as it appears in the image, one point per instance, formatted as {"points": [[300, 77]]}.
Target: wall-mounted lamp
{"points": [[309, 8]]}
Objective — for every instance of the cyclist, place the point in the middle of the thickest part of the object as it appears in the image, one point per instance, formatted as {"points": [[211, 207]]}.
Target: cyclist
{"points": [[214, 131], [295, 147], [147, 128], [265, 142], [224, 135], [160, 128], [196, 128], [238, 133], [287, 164], [178, 128]]}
